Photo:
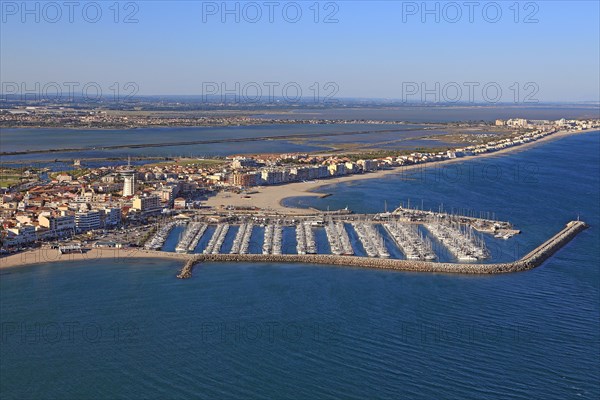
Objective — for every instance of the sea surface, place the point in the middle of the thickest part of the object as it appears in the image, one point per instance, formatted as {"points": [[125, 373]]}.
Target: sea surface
{"points": [[111, 329]]}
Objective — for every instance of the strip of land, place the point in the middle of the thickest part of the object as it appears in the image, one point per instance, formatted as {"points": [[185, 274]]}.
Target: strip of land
{"points": [[271, 198]]}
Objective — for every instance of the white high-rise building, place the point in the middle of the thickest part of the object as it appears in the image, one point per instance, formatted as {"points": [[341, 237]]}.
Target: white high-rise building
{"points": [[128, 180], [128, 183]]}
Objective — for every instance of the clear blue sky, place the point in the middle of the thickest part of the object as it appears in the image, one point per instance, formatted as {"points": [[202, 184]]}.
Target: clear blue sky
{"points": [[368, 53]]}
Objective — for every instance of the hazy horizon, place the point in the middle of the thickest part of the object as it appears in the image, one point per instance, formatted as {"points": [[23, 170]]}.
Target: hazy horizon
{"points": [[519, 52]]}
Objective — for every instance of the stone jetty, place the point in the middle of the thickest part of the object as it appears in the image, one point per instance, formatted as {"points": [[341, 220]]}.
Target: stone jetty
{"points": [[529, 261]]}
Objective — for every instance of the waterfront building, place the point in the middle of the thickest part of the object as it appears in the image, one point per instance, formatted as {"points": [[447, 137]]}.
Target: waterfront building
{"points": [[244, 179], [367, 165], [350, 167], [57, 223], [337, 169], [274, 176], [318, 172], [299, 173], [517, 122], [88, 220], [20, 235]]}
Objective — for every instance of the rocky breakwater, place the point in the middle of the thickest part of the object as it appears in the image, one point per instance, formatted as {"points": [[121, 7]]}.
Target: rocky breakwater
{"points": [[531, 260], [541, 253], [188, 267]]}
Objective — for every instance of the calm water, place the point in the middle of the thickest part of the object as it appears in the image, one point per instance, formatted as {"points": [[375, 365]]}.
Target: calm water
{"points": [[106, 330], [93, 141]]}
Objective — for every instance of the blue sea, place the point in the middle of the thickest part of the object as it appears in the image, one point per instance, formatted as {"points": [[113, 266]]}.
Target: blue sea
{"points": [[111, 329]]}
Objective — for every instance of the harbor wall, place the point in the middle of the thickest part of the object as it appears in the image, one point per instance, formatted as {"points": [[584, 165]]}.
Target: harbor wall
{"points": [[529, 261]]}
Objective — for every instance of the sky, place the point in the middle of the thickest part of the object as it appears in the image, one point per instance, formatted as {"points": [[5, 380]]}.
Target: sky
{"points": [[509, 51]]}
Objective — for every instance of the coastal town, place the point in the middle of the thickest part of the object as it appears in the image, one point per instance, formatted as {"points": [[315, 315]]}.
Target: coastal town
{"points": [[97, 118], [124, 203]]}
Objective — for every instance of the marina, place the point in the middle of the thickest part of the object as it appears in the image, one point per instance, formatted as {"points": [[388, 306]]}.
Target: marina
{"points": [[158, 239], [242, 239], [531, 260], [191, 237], [339, 240], [217, 239], [272, 239], [437, 237], [412, 243], [305, 239], [459, 239], [485, 222], [317, 203], [371, 239]]}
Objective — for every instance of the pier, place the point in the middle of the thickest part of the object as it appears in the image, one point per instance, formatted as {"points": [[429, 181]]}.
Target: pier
{"points": [[410, 241], [305, 239], [272, 241], [459, 240], [533, 259], [242, 239], [159, 238], [371, 239], [191, 237], [217, 239], [338, 238], [481, 224]]}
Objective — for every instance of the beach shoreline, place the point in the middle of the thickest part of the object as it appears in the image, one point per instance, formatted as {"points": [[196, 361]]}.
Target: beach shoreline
{"points": [[271, 198], [46, 255]]}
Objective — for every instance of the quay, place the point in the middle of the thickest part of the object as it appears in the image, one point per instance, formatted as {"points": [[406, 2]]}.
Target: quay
{"points": [[217, 239], [242, 239], [481, 224], [533, 259], [410, 241], [460, 241], [159, 238], [191, 237], [272, 239], [305, 239], [371, 240], [338, 239]]}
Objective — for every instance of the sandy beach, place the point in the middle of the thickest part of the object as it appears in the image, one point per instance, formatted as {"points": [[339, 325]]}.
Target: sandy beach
{"points": [[270, 198], [48, 255]]}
